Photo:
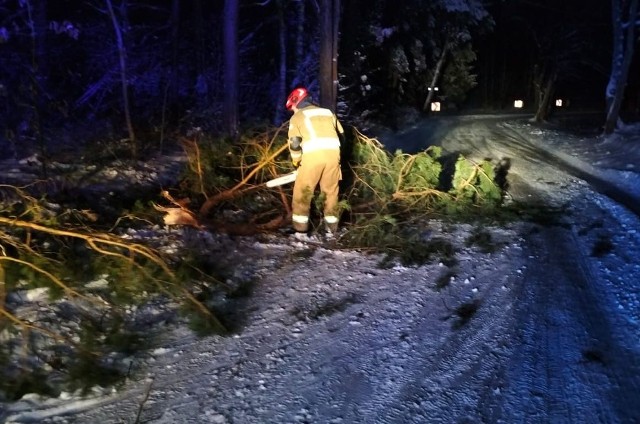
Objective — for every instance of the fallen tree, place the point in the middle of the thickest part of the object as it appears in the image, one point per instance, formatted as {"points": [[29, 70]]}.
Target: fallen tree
{"points": [[90, 281], [380, 188], [93, 279]]}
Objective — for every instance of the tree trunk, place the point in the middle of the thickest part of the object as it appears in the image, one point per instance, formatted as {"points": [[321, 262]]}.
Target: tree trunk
{"points": [[618, 51], [201, 50], [282, 74], [300, 40], [37, 21], [334, 53], [436, 77], [231, 8], [175, 48], [122, 55], [622, 62], [170, 98], [546, 97], [329, 24]]}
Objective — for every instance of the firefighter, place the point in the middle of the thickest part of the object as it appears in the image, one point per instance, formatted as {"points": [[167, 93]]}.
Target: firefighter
{"points": [[314, 145]]}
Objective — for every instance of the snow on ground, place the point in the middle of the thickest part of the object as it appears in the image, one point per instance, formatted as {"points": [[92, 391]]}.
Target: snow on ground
{"points": [[539, 330]]}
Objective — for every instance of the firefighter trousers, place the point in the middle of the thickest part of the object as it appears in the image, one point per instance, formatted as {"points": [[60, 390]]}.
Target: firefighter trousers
{"points": [[320, 167]]}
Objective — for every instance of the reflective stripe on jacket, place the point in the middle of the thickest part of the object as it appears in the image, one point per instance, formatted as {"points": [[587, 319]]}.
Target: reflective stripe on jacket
{"points": [[318, 127]]}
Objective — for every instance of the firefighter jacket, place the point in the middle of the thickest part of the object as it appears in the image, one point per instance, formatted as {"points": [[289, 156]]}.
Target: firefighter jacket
{"points": [[319, 161]]}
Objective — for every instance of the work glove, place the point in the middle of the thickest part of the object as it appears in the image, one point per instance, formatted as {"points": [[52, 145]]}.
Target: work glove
{"points": [[295, 144]]}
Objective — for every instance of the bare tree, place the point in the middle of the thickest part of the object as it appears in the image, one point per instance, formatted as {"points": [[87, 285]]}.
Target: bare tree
{"points": [[545, 88], [122, 56], [231, 9], [199, 32], [624, 15], [300, 13], [282, 69], [37, 24], [175, 46], [436, 76]]}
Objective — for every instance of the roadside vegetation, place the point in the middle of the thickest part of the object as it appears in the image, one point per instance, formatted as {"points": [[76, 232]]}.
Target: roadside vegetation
{"points": [[71, 287]]}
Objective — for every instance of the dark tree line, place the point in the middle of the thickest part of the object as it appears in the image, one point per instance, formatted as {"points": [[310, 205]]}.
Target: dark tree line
{"points": [[139, 69]]}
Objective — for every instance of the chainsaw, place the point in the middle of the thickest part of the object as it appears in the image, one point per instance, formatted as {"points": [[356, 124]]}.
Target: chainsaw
{"points": [[284, 179]]}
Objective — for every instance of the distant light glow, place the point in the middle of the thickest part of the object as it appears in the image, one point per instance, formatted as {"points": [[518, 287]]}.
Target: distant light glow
{"points": [[435, 106], [559, 102], [518, 104]]}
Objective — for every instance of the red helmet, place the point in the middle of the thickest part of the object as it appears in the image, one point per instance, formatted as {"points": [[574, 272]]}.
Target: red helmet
{"points": [[296, 97]]}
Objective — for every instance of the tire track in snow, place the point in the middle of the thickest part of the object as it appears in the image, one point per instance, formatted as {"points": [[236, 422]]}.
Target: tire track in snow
{"points": [[568, 321], [569, 325], [460, 366], [546, 375]]}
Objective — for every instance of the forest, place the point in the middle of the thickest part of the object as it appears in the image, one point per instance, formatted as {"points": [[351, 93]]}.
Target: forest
{"points": [[74, 72]]}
